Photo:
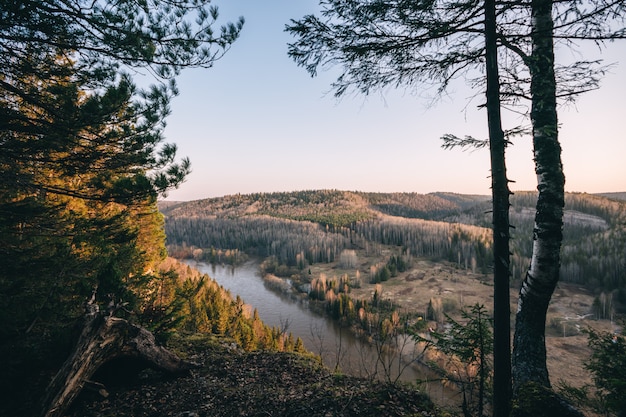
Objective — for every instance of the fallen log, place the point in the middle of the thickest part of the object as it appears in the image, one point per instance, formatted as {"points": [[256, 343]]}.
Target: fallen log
{"points": [[104, 338]]}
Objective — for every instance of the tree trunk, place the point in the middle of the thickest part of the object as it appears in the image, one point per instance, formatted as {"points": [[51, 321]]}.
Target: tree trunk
{"points": [[529, 350], [500, 195], [102, 339]]}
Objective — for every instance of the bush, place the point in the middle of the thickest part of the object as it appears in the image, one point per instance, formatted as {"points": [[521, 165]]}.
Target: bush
{"points": [[606, 364]]}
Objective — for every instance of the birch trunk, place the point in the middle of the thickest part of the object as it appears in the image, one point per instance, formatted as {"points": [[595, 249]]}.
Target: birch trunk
{"points": [[529, 348]]}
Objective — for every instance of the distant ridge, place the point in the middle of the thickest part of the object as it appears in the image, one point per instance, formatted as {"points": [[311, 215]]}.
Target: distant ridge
{"points": [[621, 196], [318, 225], [163, 205], [336, 207], [331, 207]]}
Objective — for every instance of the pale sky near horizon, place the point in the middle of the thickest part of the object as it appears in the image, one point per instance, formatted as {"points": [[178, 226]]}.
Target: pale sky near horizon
{"points": [[256, 122]]}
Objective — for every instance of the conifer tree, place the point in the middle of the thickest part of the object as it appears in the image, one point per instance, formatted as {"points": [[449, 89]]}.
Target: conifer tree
{"points": [[83, 156], [471, 343]]}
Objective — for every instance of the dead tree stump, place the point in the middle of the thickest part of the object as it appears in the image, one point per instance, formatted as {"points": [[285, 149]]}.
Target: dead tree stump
{"points": [[104, 338]]}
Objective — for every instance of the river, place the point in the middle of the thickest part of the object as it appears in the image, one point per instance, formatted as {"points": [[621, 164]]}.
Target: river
{"points": [[338, 347]]}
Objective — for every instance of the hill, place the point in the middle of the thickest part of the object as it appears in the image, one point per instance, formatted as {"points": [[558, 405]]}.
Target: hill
{"points": [[232, 382], [318, 225], [614, 196], [332, 207], [356, 254]]}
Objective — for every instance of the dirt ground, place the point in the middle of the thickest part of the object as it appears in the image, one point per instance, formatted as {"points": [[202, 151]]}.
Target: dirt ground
{"points": [[457, 288], [231, 382]]}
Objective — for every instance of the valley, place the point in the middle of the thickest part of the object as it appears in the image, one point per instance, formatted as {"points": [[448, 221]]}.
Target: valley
{"points": [[350, 243], [568, 314]]}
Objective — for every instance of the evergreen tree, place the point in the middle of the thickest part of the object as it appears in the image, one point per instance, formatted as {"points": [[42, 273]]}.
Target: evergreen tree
{"points": [[83, 157], [607, 364], [469, 346]]}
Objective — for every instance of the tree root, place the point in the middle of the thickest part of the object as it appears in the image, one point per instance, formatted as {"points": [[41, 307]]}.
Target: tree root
{"points": [[104, 338]]}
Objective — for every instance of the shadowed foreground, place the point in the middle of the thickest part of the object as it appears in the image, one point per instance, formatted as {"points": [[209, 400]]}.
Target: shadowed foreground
{"points": [[235, 383]]}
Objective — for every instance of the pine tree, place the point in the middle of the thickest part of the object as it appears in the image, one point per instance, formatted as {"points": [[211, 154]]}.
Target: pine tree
{"points": [[83, 157], [469, 346]]}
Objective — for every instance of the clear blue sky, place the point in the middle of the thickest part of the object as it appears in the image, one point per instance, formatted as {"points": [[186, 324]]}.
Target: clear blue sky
{"points": [[256, 122]]}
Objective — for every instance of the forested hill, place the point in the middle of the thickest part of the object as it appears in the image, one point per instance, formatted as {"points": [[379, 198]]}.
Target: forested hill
{"points": [[328, 207], [615, 196], [317, 226], [343, 208]]}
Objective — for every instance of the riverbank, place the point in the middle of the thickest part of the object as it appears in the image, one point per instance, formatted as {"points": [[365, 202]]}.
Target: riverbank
{"points": [[412, 291], [340, 348], [231, 382], [451, 288]]}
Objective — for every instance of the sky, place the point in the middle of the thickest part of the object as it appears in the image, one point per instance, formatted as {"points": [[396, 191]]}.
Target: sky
{"points": [[256, 122]]}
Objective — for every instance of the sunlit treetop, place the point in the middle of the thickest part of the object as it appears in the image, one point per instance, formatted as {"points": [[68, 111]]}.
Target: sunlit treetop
{"points": [[69, 101]]}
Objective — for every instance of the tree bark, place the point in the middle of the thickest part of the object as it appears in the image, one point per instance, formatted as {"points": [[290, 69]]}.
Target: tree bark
{"points": [[500, 202], [104, 338], [529, 350]]}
